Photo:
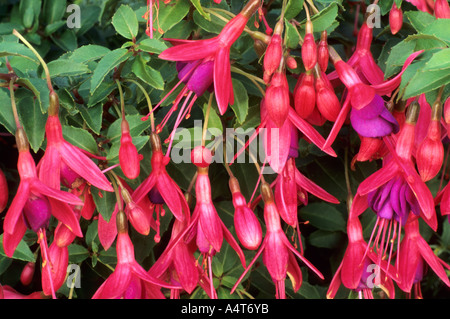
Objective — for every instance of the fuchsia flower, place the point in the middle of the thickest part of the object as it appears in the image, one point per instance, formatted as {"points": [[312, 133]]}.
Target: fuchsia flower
{"points": [[128, 155], [277, 99], [129, 280], [354, 271], [216, 53], [414, 254], [7, 292], [442, 9], [309, 48], [322, 52], [395, 18], [35, 202], [278, 252], [59, 153], [274, 52]]}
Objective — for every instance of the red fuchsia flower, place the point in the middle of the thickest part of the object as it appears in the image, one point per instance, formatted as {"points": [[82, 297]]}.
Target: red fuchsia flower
{"points": [[160, 189], [59, 152], [248, 228], [53, 277], [442, 9], [129, 158], [278, 252], [206, 227], [395, 18], [327, 102], [414, 255], [129, 279], [356, 271], [27, 274], [213, 55], [4, 193], [35, 202], [361, 95], [423, 5]]}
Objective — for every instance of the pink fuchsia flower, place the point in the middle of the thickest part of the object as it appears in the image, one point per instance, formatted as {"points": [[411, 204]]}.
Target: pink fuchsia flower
{"points": [[59, 153], [54, 269], [128, 275], [129, 158], [414, 255], [160, 188], [423, 5], [355, 271], [395, 18], [359, 94], [177, 264], [309, 48], [274, 52], [277, 99], [35, 202], [442, 9], [278, 252], [322, 52], [217, 51]]}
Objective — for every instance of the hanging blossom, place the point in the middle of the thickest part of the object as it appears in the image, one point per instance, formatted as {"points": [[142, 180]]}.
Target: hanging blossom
{"points": [[129, 280], [278, 253], [365, 85], [205, 63]]}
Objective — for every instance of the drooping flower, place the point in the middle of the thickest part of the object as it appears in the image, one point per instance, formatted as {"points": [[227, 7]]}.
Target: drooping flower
{"points": [[214, 51], [35, 202], [8, 292], [129, 279], [278, 253], [59, 152], [309, 48], [395, 18], [129, 158], [277, 100], [414, 254], [356, 270], [274, 52]]}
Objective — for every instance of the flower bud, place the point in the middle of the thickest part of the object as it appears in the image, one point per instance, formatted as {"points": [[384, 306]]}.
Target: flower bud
{"points": [[305, 96], [291, 63], [201, 156], [4, 193], [447, 111], [441, 9], [327, 101], [277, 99], [37, 213], [273, 56], [27, 273], [309, 48], [63, 235], [430, 153], [395, 18], [322, 52], [128, 155]]}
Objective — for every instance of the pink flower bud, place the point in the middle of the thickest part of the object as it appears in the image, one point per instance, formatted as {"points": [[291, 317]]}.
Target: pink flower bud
{"points": [[396, 18], [37, 213], [277, 99], [128, 155], [305, 96], [274, 53], [3, 191], [63, 236], [291, 63], [327, 101], [322, 52], [309, 49], [27, 273], [447, 111], [441, 9], [138, 218], [201, 156], [430, 153]]}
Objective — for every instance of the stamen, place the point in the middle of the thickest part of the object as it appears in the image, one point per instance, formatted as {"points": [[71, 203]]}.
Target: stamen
{"points": [[211, 283]]}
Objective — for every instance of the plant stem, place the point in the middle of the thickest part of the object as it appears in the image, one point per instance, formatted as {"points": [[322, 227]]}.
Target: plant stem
{"points": [[122, 102], [149, 102], [13, 104], [205, 125]]}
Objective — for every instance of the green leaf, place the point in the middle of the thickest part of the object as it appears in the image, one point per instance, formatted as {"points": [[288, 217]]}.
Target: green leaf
{"points": [[16, 49], [147, 74], [152, 46], [54, 10], [325, 239], [92, 116], [6, 113], [138, 141], [32, 118], [293, 8], [125, 22], [292, 37], [64, 67], [106, 65], [104, 202], [67, 41], [80, 138], [87, 53], [324, 216], [137, 127], [200, 10], [22, 252], [77, 253], [419, 19], [439, 29], [240, 106], [171, 15]]}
